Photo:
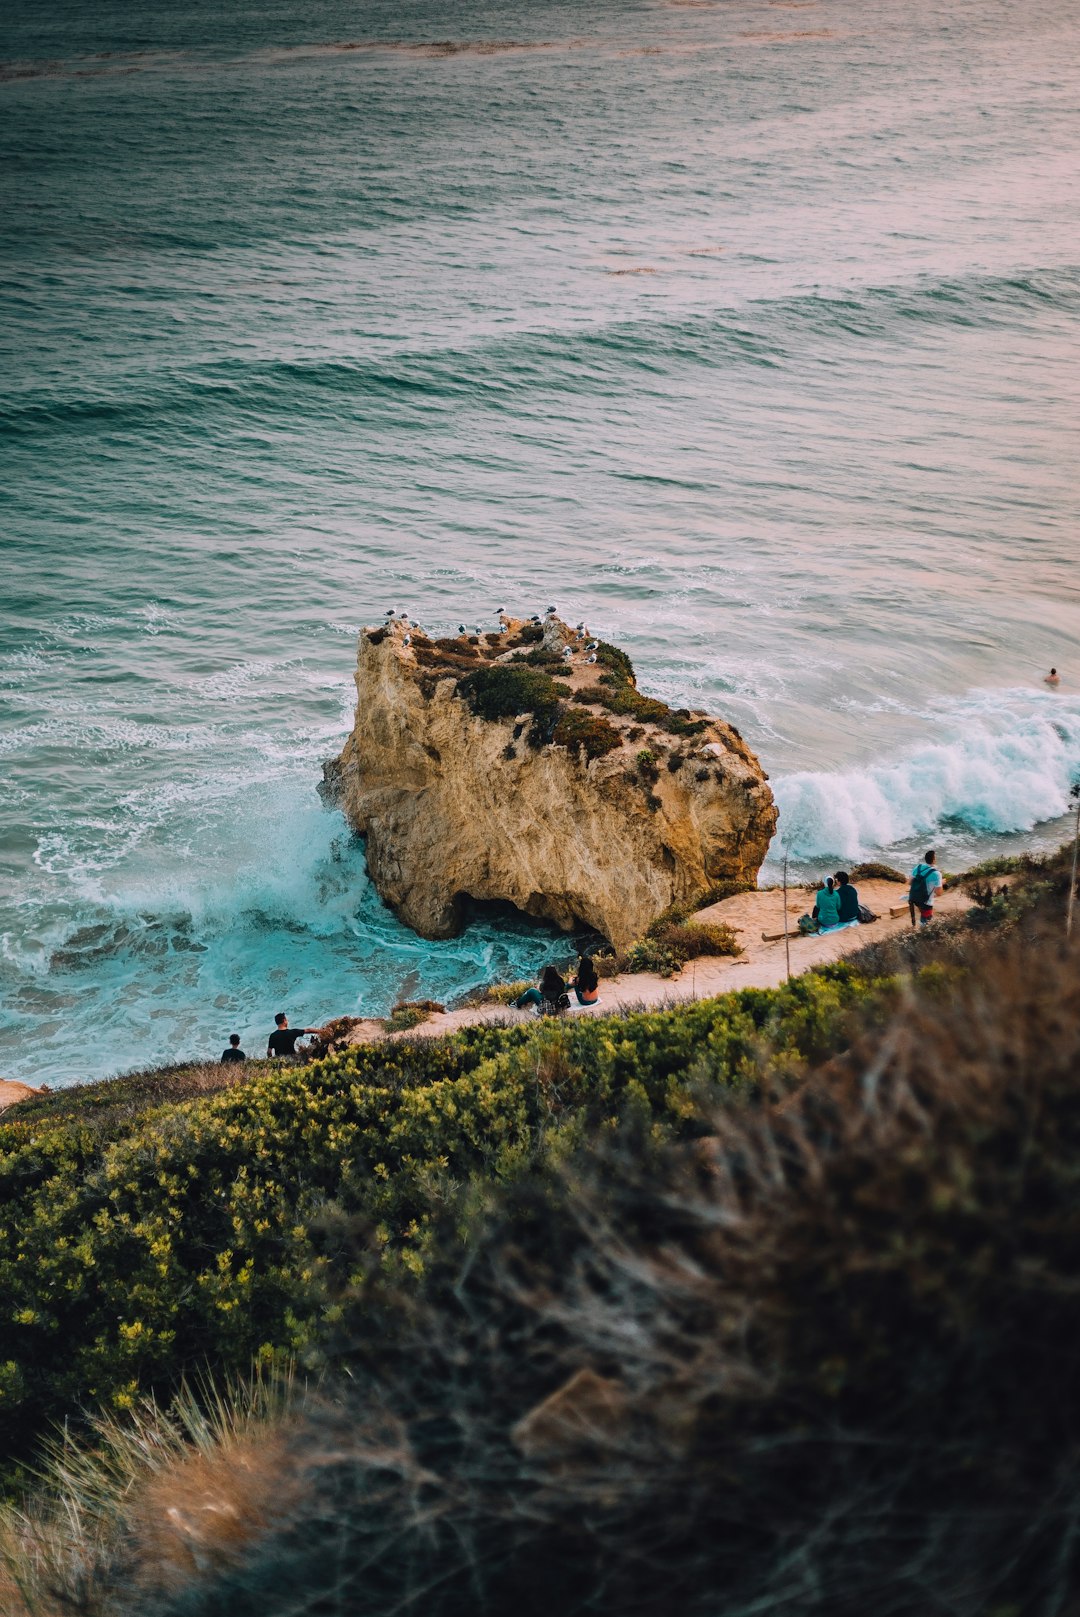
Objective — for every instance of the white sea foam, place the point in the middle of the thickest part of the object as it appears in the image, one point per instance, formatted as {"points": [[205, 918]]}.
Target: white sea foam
{"points": [[997, 762]]}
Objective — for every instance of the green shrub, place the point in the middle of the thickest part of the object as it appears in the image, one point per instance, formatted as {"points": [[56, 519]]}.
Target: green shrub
{"points": [[498, 994], [693, 939], [669, 944], [628, 702], [650, 955], [505, 690], [576, 729], [617, 661], [410, 1015]]}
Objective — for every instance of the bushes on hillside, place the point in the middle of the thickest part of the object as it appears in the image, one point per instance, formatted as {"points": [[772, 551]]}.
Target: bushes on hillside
{"points": [[135, 1242], [820, 1362]]}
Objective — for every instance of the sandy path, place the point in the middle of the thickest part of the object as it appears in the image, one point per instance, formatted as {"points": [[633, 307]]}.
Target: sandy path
{"points": [[760, 966]]}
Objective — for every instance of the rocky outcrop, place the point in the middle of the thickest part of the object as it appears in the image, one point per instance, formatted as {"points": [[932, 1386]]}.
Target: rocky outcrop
{"points": [[526, 766]]}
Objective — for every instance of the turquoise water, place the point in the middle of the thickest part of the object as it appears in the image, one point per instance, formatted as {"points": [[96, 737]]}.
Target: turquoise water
{"points": [[745, 331]]}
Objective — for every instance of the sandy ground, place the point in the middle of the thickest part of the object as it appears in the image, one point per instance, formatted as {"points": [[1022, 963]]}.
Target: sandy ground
{"points": [[761, 965]]}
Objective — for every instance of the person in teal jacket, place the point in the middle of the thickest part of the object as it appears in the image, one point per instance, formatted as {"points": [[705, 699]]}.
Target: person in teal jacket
{"points": [[827, 906], [926, 880]]}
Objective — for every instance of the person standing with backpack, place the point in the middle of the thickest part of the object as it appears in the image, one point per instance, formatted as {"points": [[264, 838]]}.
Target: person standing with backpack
{"points": [[926, 880]]}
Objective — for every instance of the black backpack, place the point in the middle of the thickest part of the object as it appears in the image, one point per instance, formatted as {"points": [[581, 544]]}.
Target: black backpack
{"points": [[919, 892]]}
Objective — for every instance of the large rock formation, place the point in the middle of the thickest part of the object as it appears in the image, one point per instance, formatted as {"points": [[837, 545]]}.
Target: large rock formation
{"points": [[527, 766]]}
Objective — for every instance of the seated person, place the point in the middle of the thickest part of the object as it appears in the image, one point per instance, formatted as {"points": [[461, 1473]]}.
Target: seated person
{"points": [[847, 898], [827, 906], [234, 1052], [586, 984], [282, 1042], [552, 988]]}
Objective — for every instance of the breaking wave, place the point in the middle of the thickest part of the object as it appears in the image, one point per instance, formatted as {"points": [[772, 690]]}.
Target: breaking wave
{"points": [[998, 762]]}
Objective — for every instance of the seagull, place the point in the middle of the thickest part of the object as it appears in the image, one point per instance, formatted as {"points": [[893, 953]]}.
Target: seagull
{"points": [[580, 632], [534, 618], [551, 611], [461, 628], [591, 659], [407, 640], [594, 645], [567, 653]]}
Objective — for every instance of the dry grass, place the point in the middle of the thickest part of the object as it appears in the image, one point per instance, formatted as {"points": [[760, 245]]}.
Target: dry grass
{"points": [[152, 1503]]}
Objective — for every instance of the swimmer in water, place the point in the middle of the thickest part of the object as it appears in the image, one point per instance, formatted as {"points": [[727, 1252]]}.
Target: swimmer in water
{"points": [[1052, 678]]}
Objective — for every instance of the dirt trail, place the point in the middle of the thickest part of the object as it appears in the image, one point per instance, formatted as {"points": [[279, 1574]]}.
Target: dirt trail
{"points": [[761, 965]]}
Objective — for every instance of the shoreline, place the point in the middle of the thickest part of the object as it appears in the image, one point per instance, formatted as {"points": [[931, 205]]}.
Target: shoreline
{"points": [[761, 965]]}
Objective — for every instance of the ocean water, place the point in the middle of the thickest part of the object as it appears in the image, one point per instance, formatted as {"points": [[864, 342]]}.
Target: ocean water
{"points": [[745, 330]]}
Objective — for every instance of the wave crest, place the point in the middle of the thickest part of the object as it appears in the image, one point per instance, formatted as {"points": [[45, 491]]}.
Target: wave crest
{"points": [[998, 762]]}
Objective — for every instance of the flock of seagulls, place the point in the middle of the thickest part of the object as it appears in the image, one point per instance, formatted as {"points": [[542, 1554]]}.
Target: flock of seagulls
{"points": [[580, 633]]}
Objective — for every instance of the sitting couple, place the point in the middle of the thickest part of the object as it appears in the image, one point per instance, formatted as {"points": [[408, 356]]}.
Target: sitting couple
{"points": [[551, 997], [836, 904]]}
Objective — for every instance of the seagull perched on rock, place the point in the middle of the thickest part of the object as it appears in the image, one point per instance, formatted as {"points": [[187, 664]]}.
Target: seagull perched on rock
{"points": [[567, 653], [551, 611], [461, 628], [591, 659], [594, 645], [407, 640]]}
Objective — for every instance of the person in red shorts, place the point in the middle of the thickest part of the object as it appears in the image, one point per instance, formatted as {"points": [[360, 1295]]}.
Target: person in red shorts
{"points": [[926, 880]]}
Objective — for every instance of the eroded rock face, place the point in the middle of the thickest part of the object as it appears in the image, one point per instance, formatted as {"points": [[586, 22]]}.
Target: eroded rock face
{"points": [[526, 766]]}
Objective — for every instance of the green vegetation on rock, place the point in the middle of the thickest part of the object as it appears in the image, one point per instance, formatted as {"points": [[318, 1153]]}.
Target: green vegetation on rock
{"points": [[577, 729]]}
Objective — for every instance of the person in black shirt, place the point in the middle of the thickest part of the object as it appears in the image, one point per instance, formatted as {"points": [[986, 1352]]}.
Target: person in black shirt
{"points": [[234, 1052], [848, 897], [282, 1042]]}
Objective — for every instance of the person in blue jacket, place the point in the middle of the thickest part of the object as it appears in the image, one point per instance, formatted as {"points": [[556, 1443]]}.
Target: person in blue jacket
{"points": [[827, 906], [926, 880]]}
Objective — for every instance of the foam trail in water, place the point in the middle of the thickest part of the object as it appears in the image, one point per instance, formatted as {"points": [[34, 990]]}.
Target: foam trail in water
{"points": [[998, 762]]}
